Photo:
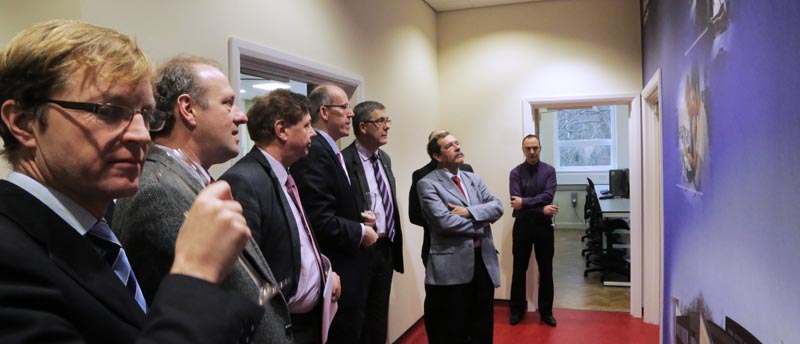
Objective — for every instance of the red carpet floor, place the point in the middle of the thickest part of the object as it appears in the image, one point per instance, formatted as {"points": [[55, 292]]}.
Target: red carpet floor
{"points": [[574, 326]]}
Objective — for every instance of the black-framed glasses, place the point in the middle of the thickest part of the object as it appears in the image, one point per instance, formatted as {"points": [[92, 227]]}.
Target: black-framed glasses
{"points": [[380, 122], [344, 106], [117, 114]]}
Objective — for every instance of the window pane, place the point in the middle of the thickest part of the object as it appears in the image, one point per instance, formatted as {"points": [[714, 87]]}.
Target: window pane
{"points": [[585, 155], [584, 124]]}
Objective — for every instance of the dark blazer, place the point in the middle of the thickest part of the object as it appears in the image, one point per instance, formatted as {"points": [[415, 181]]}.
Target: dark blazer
{"points": [[147, 225], [54, 287], [358, 180], [330, 205], [268, 215], [414, 208]]}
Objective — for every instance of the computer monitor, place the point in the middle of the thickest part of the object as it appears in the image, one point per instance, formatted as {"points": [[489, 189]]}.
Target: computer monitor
{"points": [[618, 183]]}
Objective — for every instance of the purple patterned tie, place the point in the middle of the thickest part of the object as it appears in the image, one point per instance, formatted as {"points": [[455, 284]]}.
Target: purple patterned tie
{"points": [[388, 206]]}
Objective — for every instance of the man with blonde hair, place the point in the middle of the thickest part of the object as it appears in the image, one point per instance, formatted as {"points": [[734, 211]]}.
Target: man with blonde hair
{"points": [[76, 103]]}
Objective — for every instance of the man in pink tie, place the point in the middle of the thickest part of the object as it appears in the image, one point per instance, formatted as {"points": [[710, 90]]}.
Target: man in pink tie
{"points": [[332, 210], [280, 125]]}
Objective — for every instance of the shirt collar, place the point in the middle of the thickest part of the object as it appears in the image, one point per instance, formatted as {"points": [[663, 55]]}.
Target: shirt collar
{"points": [[78, 218], [277, 167], [329, 140], [364, 153]]}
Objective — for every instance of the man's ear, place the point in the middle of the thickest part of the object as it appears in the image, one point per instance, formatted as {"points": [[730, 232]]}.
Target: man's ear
{"points": [[19, 123], [437, 157], [323, 113], [280, 130], [186, 107]]}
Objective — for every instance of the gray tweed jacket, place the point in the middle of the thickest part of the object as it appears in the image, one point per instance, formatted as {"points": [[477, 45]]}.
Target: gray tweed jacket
{"points": [[147, 224]]}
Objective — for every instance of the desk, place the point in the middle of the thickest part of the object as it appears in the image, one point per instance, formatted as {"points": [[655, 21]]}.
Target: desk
{"points": [[613, 207]]}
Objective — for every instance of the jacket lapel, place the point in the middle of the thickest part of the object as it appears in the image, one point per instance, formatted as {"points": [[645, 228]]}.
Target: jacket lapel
{"points": [[71, 252], [450, 186], [287, 210], [355, 168]]}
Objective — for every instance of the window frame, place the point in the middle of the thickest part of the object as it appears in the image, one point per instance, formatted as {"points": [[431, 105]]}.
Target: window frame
{"points": [[612, 142]]}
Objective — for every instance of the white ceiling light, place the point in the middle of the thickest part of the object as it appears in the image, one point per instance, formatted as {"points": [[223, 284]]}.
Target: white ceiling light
{"points": [[271, 86]]}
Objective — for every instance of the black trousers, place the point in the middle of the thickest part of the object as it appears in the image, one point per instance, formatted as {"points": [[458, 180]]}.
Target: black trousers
{"points": [[462, 313], [307, 328], [529, 234], [369, 324]]}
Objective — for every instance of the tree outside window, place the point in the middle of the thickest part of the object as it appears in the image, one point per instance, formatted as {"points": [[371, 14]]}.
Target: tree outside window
{"points": [[585, 139]]}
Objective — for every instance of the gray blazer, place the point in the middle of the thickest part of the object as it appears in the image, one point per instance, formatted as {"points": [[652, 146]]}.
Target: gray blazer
{"points": [[452, 255], [147, 225]]}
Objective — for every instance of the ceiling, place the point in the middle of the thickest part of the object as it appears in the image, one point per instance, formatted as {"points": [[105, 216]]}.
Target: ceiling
{"points": [[452, 5]]}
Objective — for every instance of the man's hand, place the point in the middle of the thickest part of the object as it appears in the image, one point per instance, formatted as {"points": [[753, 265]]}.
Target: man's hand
{"points": [[368, 216], [370, 236], [550, 209], [212, 236], [516, 202], [337, 287], [459, 210]]}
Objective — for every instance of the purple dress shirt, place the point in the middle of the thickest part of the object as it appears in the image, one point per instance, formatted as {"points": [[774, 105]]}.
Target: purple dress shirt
{"points": [[536, 184]]}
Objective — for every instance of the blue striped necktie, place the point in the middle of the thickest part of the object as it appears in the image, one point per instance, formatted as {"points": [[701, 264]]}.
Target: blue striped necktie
{"points": [[107, 244], [388, 206]]}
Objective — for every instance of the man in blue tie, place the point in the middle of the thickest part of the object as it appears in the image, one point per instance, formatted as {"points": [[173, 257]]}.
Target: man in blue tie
{"points": [[370, 170], [77, 105]]}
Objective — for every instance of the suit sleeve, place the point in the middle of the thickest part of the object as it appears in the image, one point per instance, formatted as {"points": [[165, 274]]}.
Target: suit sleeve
{"points": [[441, 220], [490, 209], [189, 310], [414, 209], [313, 177]]}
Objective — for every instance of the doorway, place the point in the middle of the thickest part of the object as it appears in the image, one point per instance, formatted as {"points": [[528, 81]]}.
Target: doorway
{"points": [[642, 272]]}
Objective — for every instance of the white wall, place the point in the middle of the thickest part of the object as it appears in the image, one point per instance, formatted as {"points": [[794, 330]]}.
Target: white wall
{"points": [[491, 59], [391, 44], [16, 15]]}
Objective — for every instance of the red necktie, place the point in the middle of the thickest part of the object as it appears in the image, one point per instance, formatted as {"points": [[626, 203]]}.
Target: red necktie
{"points": [[458, 183]]}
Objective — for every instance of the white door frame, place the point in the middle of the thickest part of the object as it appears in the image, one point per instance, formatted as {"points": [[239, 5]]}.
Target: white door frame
{"points": [[646, 270], [651, 194]]}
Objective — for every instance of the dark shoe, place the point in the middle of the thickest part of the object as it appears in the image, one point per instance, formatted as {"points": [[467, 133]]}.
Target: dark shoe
{"points": [[548, 319], [516, 317]]}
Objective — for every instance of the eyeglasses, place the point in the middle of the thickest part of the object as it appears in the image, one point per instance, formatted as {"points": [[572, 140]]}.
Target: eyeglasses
{"points": [[117, 114], [380, 122], [344, 106]]}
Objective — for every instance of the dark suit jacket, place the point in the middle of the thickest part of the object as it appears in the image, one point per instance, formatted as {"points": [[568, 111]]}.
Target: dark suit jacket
{"points": [[147, 225], [330, 204], [54, 287], [268, 215], [414, 208], [358, 180]]}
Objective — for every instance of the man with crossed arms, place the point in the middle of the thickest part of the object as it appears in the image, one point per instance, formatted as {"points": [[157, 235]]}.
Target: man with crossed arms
{"points": [[463, 269]]}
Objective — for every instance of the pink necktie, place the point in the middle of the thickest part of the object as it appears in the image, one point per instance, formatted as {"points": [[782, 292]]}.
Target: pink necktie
{"points": [[291, 188]]}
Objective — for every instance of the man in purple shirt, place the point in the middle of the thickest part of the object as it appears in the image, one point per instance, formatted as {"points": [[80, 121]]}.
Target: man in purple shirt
{"points": [[532, 185]]}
